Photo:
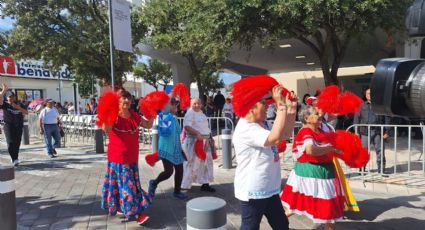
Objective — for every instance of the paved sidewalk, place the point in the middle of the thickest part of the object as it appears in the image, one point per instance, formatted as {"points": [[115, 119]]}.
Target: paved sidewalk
{"points": [[64, 193]]}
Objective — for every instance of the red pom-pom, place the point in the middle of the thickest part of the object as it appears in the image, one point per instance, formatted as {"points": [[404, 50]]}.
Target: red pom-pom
{"points": [[180, 90], [328, 99], [152, 103], [353, 154], [250, 90], [152, 158], [281, 147], [199, 150], [107, 109], [332, 100], [350, 103]]}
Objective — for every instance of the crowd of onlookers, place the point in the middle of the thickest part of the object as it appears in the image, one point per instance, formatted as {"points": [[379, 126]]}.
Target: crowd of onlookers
{"points": [[220, 106]]}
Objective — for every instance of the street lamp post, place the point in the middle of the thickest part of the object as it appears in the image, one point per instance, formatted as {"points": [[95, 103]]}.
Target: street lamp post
{"points": [[111, 45]]}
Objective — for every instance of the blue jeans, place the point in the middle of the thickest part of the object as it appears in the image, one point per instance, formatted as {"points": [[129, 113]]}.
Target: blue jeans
{"points": [[254, 209], [49, 132]]}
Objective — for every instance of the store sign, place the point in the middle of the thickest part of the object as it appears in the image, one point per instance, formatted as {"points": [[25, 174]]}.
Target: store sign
{"points": [[31, 69]]}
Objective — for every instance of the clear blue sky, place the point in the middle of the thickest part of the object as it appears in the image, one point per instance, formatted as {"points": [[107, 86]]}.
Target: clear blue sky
{"points": [[6, 23]]}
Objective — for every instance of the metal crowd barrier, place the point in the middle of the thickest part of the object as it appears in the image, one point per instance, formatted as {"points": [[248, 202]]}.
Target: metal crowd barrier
{"points": [[81, 128], [216, 124], [404, 156], [77, 128]]}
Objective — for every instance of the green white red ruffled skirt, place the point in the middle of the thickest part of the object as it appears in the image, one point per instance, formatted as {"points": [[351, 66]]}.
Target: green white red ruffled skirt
{"points": [[315, 191]]}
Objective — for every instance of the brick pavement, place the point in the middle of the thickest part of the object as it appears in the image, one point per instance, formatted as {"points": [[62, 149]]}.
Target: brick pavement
{"points": [[64, 193]]}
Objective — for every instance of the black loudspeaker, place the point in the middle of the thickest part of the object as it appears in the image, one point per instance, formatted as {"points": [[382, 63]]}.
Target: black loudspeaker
{"points": [[391, 88]]}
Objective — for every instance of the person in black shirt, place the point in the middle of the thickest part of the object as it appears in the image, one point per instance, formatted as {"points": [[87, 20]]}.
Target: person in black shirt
{"points": [[367, 116], [13, 115], [219, 102]]}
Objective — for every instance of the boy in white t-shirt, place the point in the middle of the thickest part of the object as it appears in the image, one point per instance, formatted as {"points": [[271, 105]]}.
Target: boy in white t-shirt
{"points": [[258, 179]]}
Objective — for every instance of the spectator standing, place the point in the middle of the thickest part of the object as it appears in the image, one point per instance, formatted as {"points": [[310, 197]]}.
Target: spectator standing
{"points": [[13, 115], [65, 107], [367, 117], [59, 108], [49, 127], [228, 112], [219, 102], [71, 108], [209, 107], [92, 107]]}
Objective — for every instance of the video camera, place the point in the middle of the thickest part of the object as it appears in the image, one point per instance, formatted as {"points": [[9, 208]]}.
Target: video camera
{"points": [[398, 84]]}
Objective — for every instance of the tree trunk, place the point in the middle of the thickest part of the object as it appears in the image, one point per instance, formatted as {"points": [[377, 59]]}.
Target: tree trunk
{"points": [[197, 76], [329, 76]]}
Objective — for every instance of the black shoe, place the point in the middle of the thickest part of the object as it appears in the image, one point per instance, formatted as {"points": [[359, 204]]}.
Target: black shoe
{"points": [[55, 153], [207, 188]]}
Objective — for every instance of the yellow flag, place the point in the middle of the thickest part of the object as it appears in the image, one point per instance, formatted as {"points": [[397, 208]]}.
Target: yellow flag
{"points": [[350, 201]]}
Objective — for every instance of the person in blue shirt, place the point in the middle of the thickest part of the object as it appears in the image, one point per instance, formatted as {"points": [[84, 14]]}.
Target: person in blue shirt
{"points": [[49, 127], [170, 150]]}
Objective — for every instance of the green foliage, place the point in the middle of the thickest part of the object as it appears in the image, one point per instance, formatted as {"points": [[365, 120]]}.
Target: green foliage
{"points": [[212, 83], [327, 27], [72, 32], [155, 73], [86, 86], [175, 26]]}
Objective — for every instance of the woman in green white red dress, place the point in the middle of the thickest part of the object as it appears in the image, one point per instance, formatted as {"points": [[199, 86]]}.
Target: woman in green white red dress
{"points": [[313, 189]]}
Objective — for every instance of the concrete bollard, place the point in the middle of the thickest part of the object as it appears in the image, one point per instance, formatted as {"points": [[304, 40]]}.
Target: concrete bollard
{"points": [[98, 140], [25, 134], [206, 213], [7, 198], [154, 138], [226, 148]]}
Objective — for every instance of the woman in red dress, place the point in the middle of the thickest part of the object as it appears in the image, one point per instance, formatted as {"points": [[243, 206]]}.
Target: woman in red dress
{"points": [[313, 189], [122, 192]]}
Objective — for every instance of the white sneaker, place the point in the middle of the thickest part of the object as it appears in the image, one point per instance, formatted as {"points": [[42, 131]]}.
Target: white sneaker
{"points": [[16, 162]]}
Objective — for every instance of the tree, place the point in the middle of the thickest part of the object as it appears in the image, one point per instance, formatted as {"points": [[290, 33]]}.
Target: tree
{"points": [[86, 86], [212, 83], [71, 32], [172, 26], [155, 73], [326, 26]]}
